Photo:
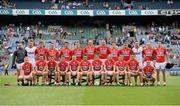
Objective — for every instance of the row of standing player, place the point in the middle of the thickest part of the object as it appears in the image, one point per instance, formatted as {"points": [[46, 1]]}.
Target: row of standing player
{"points": [[142, 55]]}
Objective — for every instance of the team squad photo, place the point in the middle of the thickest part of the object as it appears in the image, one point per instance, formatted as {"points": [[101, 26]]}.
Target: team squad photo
{"points": [[89, 52], [64, 65]]}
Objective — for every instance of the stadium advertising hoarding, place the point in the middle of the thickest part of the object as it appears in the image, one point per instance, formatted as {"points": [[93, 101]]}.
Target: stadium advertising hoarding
{"points": [[36, 12], [169, 12], [20, 12], [149, 12], [89, 12], [52, 12], [116, 12], [5, 11]]}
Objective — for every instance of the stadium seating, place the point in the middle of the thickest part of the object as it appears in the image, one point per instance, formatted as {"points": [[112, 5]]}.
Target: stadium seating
{"points": [[37, 4]]}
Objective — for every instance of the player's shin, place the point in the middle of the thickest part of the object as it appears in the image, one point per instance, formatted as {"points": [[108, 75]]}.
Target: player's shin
{"points": [[164, 77], [47, 78], [125, 79], [141, 78], [114, 77], [69, 78], [33, 78], [135, 79], [129, 78], [90, 77], [79, 77], [152, 81], [18, 74], [144, 81], [117, 77], [105, 78], [158, 78], [43, 78]]}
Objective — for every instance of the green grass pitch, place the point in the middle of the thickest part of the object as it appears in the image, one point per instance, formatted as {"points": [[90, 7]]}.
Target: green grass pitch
{"points": [[93, 95]]}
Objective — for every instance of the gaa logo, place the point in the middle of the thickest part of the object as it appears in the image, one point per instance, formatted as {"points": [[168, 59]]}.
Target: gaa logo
{"points": [[148, 12], [20, 12], [100, 12], [116, 12], [36, 12], [84, 12], [4, 12], [68, 12], [52, 12], [132, 12]]}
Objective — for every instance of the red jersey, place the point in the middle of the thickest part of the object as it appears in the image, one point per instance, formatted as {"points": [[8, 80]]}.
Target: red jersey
{"points": [[148, 54], [133, 65], [121, 65], [78, 53], [27, 68], [90, 51], [40, 51], [148, 71], [103, 52], [52, 52], [67, 53], [62, 66], [52, 65], [96, 65], [126, 53], [85, 65], [74, 65], [114, 53], [109, 65], [160, 54], [40, 65]]}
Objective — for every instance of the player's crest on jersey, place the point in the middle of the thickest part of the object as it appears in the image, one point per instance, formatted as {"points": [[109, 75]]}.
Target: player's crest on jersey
{"points": [[85, 67], [66, 54], [103, 51], [109, 67], [27, 70], [126, 54], [114, 54], [90, 52], [78, 54], [74, 68], [160, 53], [41, 68], [149, 53], [97, 67]]}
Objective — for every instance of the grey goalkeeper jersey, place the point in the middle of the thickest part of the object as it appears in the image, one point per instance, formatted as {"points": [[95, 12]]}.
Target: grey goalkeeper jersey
{"points": [[19, 56]]}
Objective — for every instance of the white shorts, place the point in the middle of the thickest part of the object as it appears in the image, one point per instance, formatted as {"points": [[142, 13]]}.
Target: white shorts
{"points": [[68, 62], [85, 73], [25, 76], [110, 73], [121, 73], [103, 60], [140, 64], [160, 66], [33, 62], [97, 73], [73, 73], [19, 66], [151, 62], [90, 60]]}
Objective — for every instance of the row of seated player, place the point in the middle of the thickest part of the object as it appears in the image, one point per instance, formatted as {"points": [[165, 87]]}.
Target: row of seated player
{"points": [[72, 73]]}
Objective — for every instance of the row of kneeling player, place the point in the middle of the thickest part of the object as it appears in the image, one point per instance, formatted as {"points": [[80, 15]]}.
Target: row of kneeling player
{"points": [[77, 70]]}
